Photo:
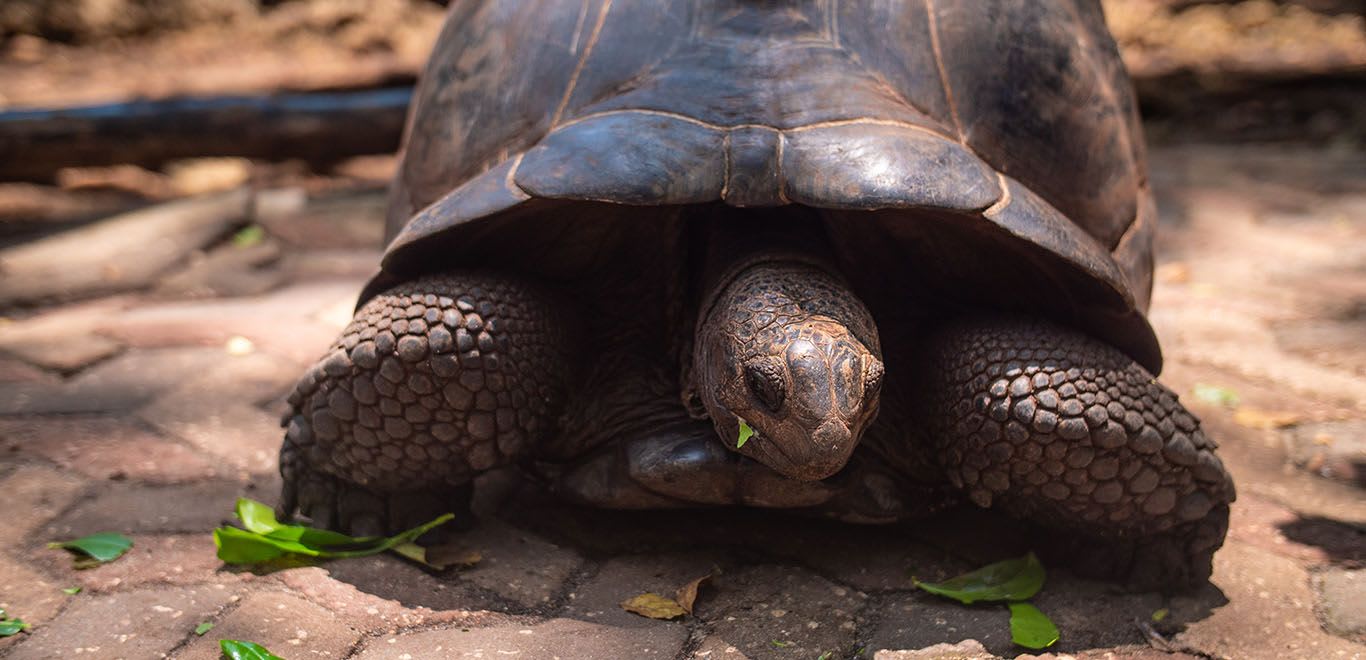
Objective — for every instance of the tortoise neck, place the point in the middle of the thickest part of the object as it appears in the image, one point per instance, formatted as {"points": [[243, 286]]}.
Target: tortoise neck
{"points": [[733, 240]]}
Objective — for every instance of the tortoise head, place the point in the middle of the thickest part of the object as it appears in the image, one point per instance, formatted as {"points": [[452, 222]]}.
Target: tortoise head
{"points": [[791, 353]]}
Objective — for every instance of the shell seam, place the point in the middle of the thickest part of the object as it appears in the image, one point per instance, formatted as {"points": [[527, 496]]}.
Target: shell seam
{"points": [[583, 60], [725, 153], [1134, 223], [1107, 91], [1002, 201], [834, 123], [939, 64]]}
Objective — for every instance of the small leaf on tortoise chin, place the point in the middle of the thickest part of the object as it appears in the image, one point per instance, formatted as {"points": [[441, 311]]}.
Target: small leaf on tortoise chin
{"points": [[236, 650], [102, 547], [1013, 579], [745, 434], [1031, 628], [654, 606], [687, 594]]}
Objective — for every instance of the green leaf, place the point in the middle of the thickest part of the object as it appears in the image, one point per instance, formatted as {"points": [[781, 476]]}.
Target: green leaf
{"points": [[1216, 395], [1013, 579], [248, 236], [10, 627], [203, 628], [778, 645], [260, 519], [266, 539], [235, 650], [102, 547], [745, 433], [1031, 628], [1160, 614], [238, 546], [71, 591]]}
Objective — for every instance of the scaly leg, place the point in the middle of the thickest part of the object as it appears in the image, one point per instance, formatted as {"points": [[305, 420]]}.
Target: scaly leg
{"points": [[1062, 430], [433, 382]]}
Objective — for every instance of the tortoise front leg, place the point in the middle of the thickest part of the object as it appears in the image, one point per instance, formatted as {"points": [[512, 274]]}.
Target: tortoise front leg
{"points": [[433, 382], [1059, 429]]}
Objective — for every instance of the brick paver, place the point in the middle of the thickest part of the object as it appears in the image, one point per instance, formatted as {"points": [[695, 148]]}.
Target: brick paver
{"points": [[285, 624], [556, 638], [105, 447], [150, 426], [142, 623]]}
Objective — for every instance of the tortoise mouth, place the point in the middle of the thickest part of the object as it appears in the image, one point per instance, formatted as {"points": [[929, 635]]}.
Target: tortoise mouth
{"points": [[811, 457]]}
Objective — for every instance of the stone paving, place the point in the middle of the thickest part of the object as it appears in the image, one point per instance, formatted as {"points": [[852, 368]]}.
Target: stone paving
{"points": [[131, 414]]}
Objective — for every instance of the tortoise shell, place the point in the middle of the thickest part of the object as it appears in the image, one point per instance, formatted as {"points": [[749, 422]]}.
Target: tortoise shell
{"points": [[972, 153]]}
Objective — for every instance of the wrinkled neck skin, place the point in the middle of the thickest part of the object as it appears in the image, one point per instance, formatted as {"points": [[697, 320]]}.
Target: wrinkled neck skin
{"points": [[786, 347]]}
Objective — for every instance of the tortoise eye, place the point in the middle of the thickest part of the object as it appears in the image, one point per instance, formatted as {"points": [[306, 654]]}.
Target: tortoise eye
{"points": [[766, 384]]}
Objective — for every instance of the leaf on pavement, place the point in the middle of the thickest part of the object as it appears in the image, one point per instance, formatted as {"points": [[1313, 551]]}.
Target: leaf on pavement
{"points": [[687, 594], [654, 606], [11, 627], [1013, 579], [237, 650], [267, 539], [439, 557], [96, 548], [1031, 628]]}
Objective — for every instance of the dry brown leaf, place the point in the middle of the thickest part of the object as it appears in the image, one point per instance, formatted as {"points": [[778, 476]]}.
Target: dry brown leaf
{"points": [[687, 594], [654, 606], [1257, 418], [453, 555]]}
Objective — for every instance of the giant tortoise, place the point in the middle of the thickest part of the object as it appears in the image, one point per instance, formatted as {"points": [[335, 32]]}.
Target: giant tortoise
{"points": [[862, 259]]}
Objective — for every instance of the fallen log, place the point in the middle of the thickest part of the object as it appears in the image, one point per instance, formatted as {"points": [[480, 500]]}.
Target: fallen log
{"points": [[320, 128]]}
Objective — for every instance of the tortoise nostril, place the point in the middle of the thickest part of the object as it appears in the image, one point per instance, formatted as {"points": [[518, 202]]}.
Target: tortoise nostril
{"points": [[766, 384]]}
